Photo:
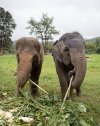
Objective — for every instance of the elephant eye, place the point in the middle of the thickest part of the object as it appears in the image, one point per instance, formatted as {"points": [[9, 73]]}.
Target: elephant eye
{"points": [[66, 49]]}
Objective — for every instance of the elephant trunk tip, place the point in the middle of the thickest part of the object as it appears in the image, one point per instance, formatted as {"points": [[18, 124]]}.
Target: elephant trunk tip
{"points": [[77, 81]]}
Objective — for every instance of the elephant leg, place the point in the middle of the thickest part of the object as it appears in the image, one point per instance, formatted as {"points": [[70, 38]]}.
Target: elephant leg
{"points": [[78, 91], [62, 74], [35, 78]]}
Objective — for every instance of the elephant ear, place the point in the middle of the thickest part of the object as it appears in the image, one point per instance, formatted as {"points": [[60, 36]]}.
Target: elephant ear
{"points": [[56, 52]]}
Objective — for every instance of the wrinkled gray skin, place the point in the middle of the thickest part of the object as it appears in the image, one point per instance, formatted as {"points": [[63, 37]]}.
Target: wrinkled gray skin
{"points": [[69, 57], [29, 53]]}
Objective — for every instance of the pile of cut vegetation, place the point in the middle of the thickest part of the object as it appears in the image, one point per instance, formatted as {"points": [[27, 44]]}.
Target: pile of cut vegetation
{"points": [[44, 110]]}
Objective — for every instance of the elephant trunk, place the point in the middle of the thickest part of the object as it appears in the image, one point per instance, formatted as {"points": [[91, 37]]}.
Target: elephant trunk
{"points": [[79, 61], [24, 69]]}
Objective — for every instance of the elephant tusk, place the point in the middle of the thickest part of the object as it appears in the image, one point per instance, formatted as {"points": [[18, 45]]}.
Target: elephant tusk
{"points": [[38, 86]]}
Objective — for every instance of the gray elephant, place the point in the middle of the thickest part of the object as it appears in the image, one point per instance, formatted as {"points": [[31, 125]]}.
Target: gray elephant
{"points": [[29, 53], [69, 57]]}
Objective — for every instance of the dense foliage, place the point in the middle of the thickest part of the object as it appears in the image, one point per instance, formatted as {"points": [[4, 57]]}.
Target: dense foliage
{"points": [[7, 25]]}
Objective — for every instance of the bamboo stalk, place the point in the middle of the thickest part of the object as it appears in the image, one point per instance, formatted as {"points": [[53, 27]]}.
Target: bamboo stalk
{"points": [[66, 93], [55, 124], [38, 86]]}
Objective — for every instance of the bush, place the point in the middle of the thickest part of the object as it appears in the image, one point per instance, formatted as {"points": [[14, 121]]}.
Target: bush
{"points": [[98, 50]]}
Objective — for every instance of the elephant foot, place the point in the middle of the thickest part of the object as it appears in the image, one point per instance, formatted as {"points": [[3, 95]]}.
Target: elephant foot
{"points": [[19, 94], [67, 98], [78, 92], [34, 92], [19, 91], [34, 95]]}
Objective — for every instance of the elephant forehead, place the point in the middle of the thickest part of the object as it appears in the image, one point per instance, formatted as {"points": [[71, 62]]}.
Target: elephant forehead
{"points": [[25, 55], [76, 43], [77, 51]]}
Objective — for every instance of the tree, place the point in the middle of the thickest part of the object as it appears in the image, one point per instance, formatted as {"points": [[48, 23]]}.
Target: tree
{"points": [[43, 29], [7, 25]]}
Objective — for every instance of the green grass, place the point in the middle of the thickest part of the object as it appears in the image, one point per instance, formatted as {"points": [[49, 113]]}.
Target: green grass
{"points": [[7, 69], [49, 81]]}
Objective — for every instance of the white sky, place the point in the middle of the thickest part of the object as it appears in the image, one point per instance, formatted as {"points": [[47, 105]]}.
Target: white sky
{"points": [[69, 15]]}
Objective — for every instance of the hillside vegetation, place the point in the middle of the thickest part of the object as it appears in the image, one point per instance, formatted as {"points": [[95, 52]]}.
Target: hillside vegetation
{"points": [[93, 45]]}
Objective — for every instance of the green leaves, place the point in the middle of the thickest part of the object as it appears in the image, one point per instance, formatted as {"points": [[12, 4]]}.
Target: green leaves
{"points": [[43, 111]]}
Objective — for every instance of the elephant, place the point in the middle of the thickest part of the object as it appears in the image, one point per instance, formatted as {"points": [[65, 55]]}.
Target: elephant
{"points": [[29, 54], [69, 56]]}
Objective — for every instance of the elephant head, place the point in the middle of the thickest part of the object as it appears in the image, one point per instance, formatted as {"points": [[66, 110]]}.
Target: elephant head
{"points": [[29, 53], [70, 51]]}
